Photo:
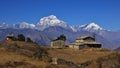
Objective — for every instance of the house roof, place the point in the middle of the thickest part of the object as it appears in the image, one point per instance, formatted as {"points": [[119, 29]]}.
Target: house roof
{"points": [[58, 40], [10, 35], [84, 37]]}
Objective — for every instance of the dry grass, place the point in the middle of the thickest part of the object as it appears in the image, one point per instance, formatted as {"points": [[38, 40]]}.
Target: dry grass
{"points": [[21, 55], [16, 58], [79, 56], [8, 56]]}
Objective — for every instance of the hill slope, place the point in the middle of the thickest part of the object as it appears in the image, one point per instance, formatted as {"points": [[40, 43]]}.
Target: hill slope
{"points": [[18, 54], [117, 49], [90, 58]]}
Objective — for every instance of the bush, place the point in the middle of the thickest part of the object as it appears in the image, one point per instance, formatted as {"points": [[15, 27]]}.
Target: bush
{"points": [[61, 37], [40, 53], [29, 39], [21, 37]]}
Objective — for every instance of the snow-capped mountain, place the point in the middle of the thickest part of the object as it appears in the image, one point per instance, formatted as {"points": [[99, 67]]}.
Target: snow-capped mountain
{"points": [[48, 28], [74, 28], [4, 26], [51, 20], [92, 27], [23, 25]]}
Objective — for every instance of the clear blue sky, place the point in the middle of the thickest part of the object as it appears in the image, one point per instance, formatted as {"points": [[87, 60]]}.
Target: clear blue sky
{"points": [[105, 13]]}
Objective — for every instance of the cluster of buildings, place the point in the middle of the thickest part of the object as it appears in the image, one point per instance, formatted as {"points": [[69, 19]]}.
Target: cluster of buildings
{"points": [[80, 43]]}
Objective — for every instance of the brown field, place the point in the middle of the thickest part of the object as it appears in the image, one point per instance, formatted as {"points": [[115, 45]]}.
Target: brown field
{"points": [[18, 54], [79, 56], [10, 57]]}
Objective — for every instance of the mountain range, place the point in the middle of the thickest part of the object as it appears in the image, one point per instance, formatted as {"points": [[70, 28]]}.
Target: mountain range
{"points": [[48, 28]]}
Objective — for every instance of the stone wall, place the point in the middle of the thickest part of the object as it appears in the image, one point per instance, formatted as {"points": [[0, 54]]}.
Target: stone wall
{"points": [[59, 43]]}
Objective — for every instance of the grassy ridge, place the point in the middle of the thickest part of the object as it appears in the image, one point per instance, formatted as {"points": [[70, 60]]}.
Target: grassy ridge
{"points": [[18, 54]]}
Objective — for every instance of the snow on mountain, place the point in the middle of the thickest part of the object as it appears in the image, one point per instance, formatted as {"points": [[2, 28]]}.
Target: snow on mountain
{"points": [[4, 26], [74, 28], [52, 27], [24, 25], [92, 27], [51, 20]]}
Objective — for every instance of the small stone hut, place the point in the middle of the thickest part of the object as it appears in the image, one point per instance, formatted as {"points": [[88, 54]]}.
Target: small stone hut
{"points": [[10, 37], [85, 42], [58, 43]]}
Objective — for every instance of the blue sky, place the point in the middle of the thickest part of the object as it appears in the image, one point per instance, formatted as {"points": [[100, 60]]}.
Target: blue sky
{"points": [[105, 13]]}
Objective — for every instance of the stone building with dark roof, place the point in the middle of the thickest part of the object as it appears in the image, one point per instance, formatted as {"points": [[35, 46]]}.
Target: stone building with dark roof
{"points": [[58, 43], [85, 42]]}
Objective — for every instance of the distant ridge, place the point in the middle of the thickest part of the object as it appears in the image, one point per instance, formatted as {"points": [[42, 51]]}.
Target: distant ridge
{"points": [[49, 27], [52, 20]]}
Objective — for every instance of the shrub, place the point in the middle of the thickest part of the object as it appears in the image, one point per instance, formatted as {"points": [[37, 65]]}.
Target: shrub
{"points": [[61, 37], [40, 53], [21, 37], [29, 39]]}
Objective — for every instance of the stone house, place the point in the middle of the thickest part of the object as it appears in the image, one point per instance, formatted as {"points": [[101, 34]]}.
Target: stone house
{"points": [[10, 37], [58, 43], [85, 42]]}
